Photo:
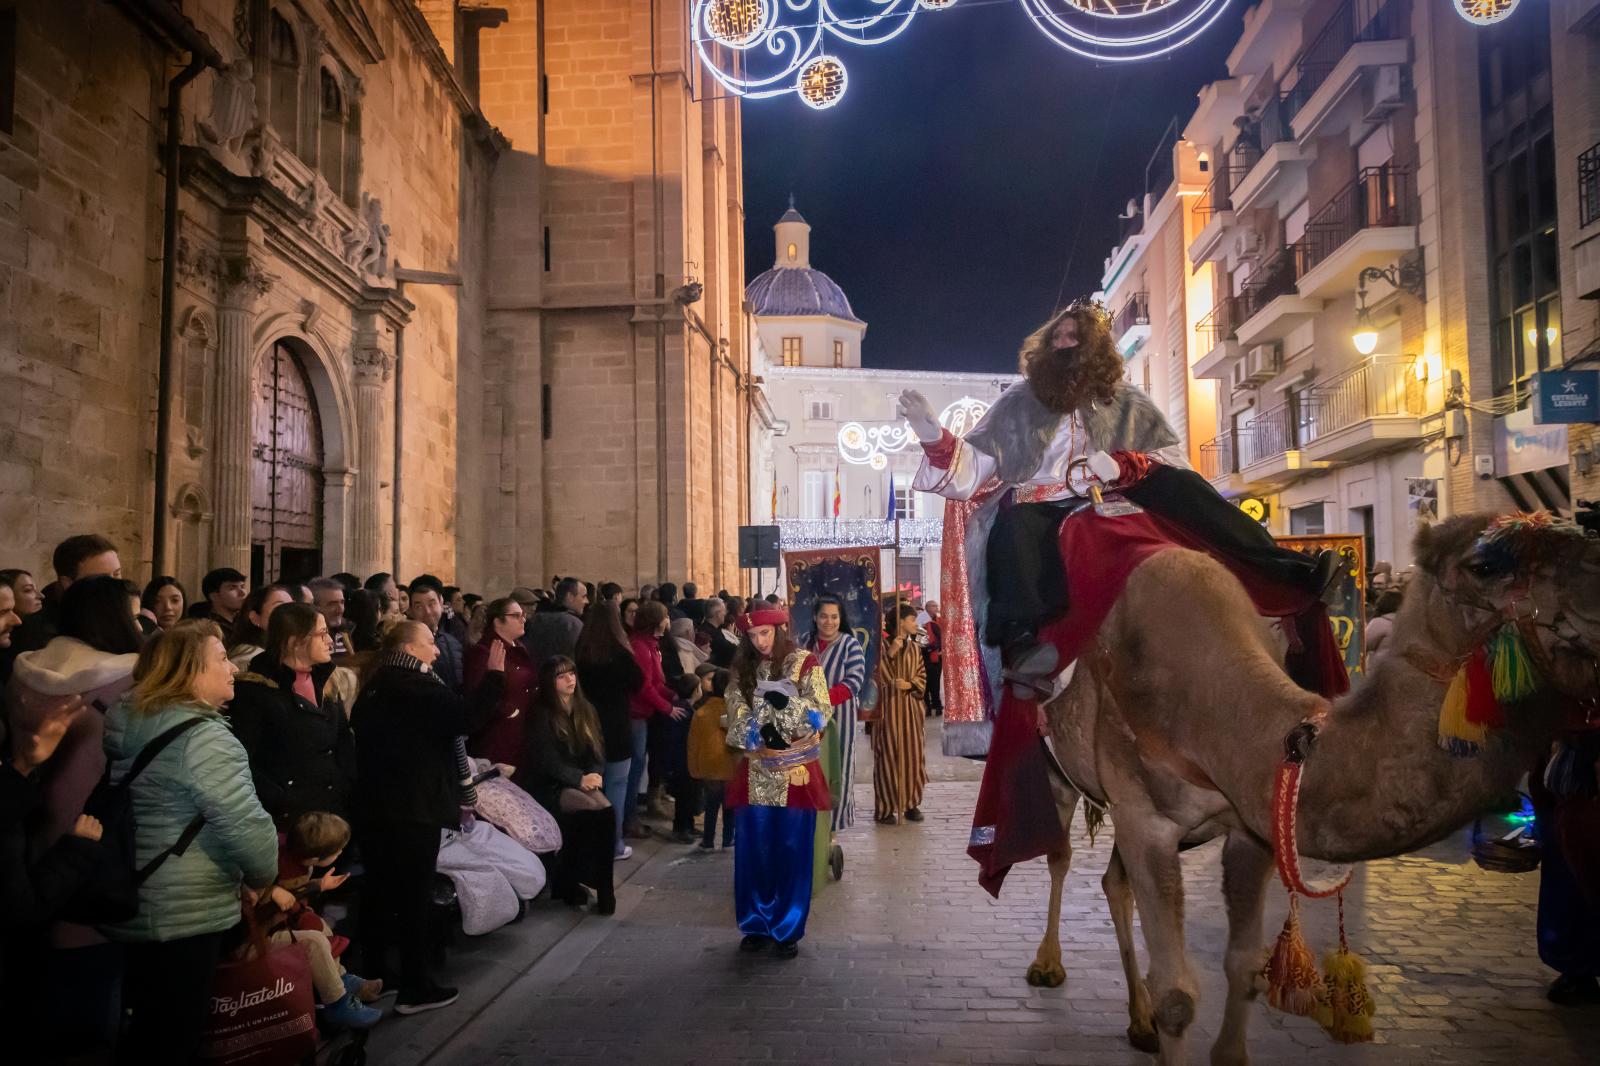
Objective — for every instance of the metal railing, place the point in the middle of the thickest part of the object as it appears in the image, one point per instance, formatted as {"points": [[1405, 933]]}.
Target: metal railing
{"points": [[801, 534], [1272, 432], [1589, 186], [1218, 457], [1273, 278], [1380, 196], [1352, 22], [1379, 387], [1135, 312], [1219, 323], [1214, 197]]}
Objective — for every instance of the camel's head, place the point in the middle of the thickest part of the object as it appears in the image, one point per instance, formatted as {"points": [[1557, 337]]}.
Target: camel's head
{"points": [[1477, 571]]}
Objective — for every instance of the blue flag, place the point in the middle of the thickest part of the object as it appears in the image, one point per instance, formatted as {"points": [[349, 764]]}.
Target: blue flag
{"points": [[890, 515]]}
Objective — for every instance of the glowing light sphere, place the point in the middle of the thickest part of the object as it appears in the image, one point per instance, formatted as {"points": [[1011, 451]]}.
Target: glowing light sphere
{"points": [[1485, 12], [736, 23], [935, 5], [821, 82]]}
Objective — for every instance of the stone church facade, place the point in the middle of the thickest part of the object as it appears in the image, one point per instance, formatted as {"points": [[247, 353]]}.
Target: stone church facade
{"points": [[450, 288]]}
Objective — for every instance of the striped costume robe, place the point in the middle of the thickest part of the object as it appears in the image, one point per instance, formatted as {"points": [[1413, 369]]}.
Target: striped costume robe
{"points": [[899, 768], [845, 666]]}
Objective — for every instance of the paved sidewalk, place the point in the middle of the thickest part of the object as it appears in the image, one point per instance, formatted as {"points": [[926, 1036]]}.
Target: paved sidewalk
{"points": [[908, 961]]}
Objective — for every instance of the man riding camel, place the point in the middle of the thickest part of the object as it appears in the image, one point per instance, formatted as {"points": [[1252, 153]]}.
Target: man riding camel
{"points": [[1075, 421]]}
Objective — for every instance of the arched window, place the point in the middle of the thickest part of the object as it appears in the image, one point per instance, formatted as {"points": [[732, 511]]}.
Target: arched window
{"points": [[284, 53], [331, 129]]}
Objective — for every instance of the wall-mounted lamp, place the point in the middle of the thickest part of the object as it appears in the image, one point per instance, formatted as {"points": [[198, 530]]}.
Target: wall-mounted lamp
{"points": [[1404, 274]]}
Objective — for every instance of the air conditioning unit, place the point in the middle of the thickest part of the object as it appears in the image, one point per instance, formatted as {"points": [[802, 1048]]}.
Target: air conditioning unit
{"points": [[1388, 87], [1260, 363], [1237, 378]]}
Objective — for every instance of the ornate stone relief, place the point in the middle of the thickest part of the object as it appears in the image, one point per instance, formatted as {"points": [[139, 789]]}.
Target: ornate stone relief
{"points": [[243, 279], [233, 107]]}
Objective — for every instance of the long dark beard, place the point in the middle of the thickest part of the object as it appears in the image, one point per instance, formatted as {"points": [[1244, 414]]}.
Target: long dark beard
{"points": [[1057, 379]]}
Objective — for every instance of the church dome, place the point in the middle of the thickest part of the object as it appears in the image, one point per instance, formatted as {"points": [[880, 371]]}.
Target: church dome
{"points": [[798, 291], [793, 287]]}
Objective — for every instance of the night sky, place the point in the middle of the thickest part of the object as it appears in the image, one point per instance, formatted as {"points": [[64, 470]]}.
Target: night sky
{"points": [[971, 166]]}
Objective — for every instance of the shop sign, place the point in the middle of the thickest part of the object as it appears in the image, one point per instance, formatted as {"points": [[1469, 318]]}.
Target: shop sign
{"points": [[1566, 396]]}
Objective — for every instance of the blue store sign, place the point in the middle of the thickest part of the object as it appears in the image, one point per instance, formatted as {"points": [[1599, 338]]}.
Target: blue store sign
{"points": [[1566, 396]]}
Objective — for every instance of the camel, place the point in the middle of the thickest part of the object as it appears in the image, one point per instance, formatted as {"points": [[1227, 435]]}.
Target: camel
{"points": [[1177, 719]]}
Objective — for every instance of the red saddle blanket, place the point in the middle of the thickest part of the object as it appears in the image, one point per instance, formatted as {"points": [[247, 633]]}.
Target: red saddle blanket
{"points": [[1016, 816]]}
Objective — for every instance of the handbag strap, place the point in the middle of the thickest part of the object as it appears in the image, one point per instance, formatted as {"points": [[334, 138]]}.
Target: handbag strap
{"points": [[190, 831]]}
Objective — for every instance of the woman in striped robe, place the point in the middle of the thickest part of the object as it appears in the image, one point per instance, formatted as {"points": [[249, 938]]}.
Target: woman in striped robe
{"points": [[899, 769], [845, 666]]}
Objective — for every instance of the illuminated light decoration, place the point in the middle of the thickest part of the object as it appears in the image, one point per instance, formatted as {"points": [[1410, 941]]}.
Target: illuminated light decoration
{"points": [[1105, 31], [737, 22], [1485, 12], [765, 48], [822, 82], [872, 445]]}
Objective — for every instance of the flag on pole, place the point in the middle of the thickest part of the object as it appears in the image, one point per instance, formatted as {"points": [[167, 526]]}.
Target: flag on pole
{"points": [[890, 513], [837, 497]]}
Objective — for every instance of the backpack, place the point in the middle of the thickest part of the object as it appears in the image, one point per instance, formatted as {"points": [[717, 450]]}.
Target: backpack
{"points": [[112, 895]]}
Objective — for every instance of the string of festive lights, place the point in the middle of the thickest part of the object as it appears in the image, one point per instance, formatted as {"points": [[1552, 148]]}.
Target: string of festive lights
{"points": [[765, 48]]}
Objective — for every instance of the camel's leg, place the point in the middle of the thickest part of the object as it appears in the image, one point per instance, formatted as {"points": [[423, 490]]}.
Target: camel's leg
{"points": [[1047, 969], [1246, 869], [1149, 847], [1119, 897]]}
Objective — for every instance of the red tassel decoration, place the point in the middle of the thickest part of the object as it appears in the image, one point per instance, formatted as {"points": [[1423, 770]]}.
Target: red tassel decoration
{"points": [[1482, 708], [1293, 983]]}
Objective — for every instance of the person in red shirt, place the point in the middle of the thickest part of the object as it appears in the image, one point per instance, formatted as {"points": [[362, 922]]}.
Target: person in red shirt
{"points": [[651, 698], [504, 740]]}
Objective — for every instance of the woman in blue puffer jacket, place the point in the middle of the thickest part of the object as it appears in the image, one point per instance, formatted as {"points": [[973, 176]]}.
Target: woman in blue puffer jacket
{"points": [[191, 901]]}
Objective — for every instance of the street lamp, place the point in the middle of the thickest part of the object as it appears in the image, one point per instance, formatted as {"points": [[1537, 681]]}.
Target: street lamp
{"points": [[1402, 274]]}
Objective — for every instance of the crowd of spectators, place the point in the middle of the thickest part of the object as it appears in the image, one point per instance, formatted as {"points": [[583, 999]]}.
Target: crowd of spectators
{"points": [[302, 759]]}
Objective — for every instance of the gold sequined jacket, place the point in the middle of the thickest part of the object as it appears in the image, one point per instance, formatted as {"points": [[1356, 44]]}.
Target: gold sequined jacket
{"points": [[791, 777]]}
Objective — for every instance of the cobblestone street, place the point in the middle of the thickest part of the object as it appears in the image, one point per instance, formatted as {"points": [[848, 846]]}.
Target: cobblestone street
{"points": [[907, 960]]}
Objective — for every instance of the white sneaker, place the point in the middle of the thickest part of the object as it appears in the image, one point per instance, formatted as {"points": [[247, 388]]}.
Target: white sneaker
{"points": [[625, 853]]}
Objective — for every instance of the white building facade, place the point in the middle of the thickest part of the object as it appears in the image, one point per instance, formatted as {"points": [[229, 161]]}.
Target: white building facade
{"points": [[832, 453]]}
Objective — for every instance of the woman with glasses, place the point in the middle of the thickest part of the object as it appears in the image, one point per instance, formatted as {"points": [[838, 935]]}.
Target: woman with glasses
{"points": [[292, 722], [504, 739]]}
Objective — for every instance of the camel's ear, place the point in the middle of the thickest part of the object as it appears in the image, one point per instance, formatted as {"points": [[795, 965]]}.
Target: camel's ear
{"points": [[1427, 549]]}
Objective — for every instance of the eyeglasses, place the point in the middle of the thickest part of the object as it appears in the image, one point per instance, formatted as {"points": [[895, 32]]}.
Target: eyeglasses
{"points": [[323, 634], [509, 615]]}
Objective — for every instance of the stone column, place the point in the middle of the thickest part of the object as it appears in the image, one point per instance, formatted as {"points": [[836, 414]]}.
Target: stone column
{"points": [[242, 284], [373, 367]]}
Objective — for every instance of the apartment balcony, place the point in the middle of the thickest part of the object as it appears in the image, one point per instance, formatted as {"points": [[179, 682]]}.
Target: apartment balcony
{"points": [[1271, 305], [1219, 464], [1131, 327], [1269, 28], [1372, 407], [1269, 448], [1211, 215], [1216, 336], [1351, 69], [1587, 246], [1370, 222], [1276, 177]]}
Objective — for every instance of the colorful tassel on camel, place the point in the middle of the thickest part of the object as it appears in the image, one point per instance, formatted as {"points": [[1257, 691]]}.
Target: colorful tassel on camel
{"points": [[1350, 1005], [1515, 678], [1293, 984], [1470, 709]]}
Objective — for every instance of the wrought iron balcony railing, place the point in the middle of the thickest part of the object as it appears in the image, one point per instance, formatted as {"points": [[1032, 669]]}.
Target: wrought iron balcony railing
{"points": [[1379, 387], [804, 534], [1380, 196], [1218, 457], [1134, 312], [1272, 432], [1352, 22], [1589, 186], [1219, 324], [1273, 278]]}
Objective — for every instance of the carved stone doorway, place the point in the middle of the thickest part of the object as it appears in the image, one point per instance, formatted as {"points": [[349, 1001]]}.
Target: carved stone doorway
{"points": [[286, 472]]}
